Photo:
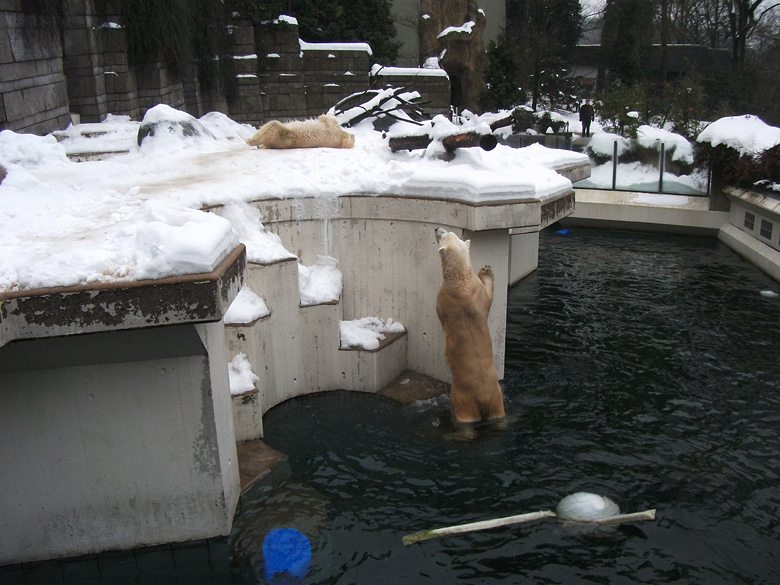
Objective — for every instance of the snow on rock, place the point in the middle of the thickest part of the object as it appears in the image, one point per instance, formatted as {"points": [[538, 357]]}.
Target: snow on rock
{"points": [[382, 70], [319, 283], [365, 47], [114, 134], [465, 28], [551, 158], [603, 143], [242, 378], [164, 128], [366, 333], [246, 308], [679, 147], [747, 134], [284, 19]]}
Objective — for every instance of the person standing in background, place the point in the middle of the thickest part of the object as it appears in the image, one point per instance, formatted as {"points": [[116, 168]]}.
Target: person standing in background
{"points": [[586, 117]]}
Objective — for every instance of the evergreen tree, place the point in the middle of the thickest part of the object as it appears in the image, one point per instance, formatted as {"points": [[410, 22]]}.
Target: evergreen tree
{"points": [[626, 38], [503, 75], [545, 32]]}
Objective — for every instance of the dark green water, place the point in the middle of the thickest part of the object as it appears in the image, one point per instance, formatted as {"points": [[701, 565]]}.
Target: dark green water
{"points": [[641, 367]]}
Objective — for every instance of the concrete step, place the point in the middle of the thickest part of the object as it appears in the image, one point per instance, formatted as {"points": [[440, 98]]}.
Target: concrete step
{"points": [[370, 370], [261, 466]]}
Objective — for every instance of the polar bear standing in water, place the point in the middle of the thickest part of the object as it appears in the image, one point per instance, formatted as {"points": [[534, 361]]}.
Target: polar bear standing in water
{"points": [[319, 132], [462, 305]]}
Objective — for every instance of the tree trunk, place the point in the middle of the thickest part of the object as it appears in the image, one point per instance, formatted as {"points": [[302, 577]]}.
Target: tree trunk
{"points": [[664, 37]]}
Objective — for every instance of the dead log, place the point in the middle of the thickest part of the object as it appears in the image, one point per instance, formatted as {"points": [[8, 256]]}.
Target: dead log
{"points": [[501, 123], [484, 141], [465, 140]]}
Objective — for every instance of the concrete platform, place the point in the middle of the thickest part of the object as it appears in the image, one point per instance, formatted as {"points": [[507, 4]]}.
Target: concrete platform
{"points": [[646, 212], [411, 386], [259, 463]]}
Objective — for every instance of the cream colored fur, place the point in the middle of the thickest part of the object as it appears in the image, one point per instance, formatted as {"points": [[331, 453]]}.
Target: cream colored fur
{"points": [[319, 132], [463, 304]]}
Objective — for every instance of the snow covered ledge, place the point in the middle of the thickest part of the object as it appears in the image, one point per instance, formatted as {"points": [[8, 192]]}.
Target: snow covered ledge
{"points": [[118, 305], [117, 396]]}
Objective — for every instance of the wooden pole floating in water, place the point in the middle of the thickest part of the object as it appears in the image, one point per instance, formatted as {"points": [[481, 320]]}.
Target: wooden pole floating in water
{"points": [[474, 526], [508, 520], [620, 518]]}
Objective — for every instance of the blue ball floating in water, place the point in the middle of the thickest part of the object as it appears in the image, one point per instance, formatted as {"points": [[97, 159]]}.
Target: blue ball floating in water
{"points": [[286, 550]]}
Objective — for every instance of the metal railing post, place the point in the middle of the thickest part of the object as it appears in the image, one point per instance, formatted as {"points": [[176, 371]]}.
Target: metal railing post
{"points": [[614, 165]]}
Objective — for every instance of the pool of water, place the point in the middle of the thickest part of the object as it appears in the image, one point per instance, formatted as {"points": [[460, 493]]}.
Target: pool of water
{"points": [[641, 367]]}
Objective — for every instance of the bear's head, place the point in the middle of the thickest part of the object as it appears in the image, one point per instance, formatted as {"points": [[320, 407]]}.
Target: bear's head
{"points": [[454, 253]]}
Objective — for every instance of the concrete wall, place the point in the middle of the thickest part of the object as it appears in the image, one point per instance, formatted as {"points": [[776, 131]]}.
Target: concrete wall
{"points": [[623, 209], [86, 480], [390, 265], [751, 227], [117, 424], [753, 230]]}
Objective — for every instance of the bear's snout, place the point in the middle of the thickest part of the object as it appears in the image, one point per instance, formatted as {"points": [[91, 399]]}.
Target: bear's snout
{"points": [[439, 233]]}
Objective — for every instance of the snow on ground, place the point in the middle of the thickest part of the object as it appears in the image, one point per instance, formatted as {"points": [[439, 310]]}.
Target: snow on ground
{"points": [[635, 176], [136, 215], [679, 148]]}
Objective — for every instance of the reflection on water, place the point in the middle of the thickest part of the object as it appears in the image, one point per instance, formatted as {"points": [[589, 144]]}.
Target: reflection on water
{"points": [[643, 368]]}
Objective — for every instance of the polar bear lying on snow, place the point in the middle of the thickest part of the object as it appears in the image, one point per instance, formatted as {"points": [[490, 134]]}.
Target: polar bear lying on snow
{"points": [[319, 132], [462, 305]]}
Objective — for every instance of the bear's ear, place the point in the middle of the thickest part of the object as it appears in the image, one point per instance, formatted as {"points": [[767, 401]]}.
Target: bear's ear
{"points": [[468, 244], [442, 251]]}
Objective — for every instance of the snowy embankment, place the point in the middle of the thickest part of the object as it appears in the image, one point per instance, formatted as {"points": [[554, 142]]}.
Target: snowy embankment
{"points": [[137, 214]]}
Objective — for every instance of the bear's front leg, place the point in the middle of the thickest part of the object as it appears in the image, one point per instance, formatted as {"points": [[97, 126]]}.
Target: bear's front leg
{"points": [[486, 276]]}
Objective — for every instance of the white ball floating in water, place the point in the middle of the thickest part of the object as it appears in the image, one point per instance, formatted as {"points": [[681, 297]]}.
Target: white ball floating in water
{"points": [[581, 507], [586, 507]]}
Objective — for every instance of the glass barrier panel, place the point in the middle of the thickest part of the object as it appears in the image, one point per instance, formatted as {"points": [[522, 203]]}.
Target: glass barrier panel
{"points": [[650, 166]]}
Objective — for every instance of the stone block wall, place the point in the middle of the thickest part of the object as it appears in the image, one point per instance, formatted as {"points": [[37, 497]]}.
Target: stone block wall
{"points": [[33, 90], [82, 66], [82, 62]]}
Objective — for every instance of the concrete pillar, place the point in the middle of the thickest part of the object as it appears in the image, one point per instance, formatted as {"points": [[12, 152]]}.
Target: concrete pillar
{"points": [[115, 440]]}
